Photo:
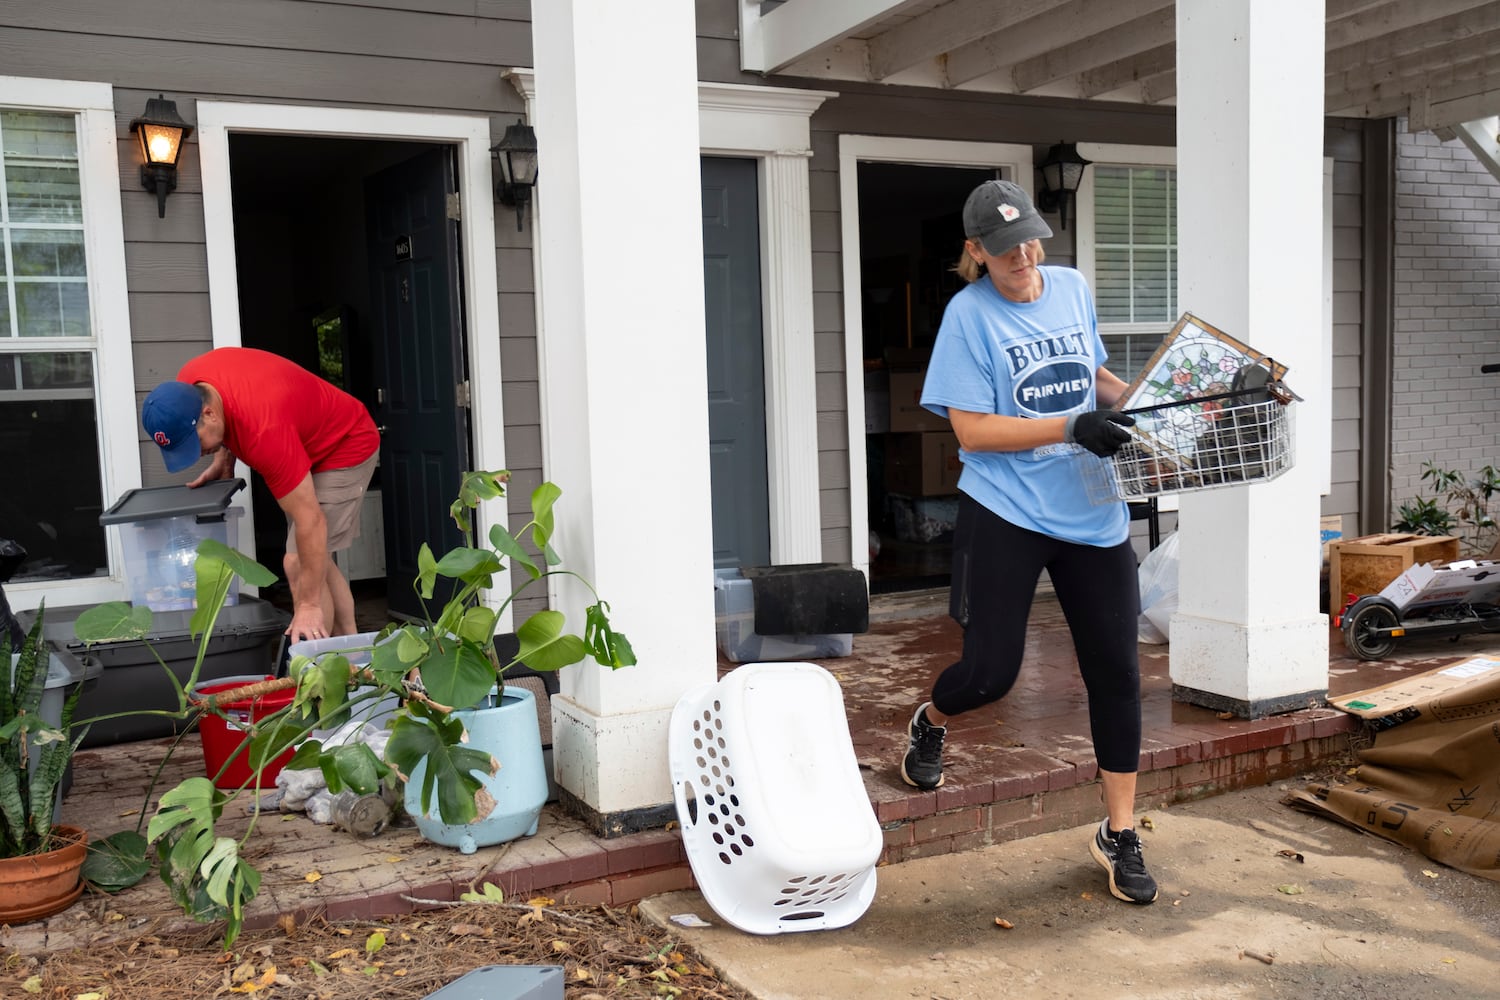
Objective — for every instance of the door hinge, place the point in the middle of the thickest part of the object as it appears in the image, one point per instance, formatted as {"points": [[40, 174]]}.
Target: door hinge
{"points": [[461, 394], [455, 213]]}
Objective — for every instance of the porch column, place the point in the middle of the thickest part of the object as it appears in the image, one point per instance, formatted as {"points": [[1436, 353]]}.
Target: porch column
{"points": [[624, 396], [1248, 636]]}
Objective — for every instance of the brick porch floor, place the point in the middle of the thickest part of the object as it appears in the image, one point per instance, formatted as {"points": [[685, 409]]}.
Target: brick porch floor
{"points": [[1019, 768]]}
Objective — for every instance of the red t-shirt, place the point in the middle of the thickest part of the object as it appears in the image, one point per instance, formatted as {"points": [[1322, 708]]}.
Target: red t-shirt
{"points": [[281, 419]]}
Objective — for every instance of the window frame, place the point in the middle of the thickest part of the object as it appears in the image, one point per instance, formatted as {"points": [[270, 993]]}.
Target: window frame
{"points": [[119, 438], [1115, 156]]}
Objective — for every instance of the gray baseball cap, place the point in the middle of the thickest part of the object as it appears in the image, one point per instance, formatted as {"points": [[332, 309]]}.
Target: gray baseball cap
{"points": [[1000, 215]]}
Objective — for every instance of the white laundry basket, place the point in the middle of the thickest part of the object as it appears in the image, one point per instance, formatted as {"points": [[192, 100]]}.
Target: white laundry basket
{"points": [[777, 826]]}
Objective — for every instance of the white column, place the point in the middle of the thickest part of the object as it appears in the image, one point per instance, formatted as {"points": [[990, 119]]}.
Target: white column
{"points": [[624, 392], [791, 392], [1248, 636]]}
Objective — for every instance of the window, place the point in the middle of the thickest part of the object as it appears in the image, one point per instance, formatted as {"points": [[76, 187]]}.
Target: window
{"points": [[56, 150], [1128, 248]]}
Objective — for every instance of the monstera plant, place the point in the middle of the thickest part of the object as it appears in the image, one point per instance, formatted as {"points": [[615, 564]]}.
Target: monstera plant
{"points": [[435, 668]]}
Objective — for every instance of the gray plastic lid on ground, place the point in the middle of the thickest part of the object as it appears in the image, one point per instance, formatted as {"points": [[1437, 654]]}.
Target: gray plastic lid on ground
{"points": [[208, 502]]}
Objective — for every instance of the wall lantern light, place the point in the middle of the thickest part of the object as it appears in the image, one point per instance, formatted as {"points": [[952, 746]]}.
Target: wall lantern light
{"points": [[161, 131], [515, 154], [1062, 172]]}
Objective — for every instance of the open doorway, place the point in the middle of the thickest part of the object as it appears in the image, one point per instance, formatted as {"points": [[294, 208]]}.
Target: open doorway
{"points": [[325, 231], [910, 235]]}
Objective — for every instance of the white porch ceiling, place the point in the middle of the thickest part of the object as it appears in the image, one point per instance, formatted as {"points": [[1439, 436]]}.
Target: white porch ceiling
{"points": [[1436, 62]]}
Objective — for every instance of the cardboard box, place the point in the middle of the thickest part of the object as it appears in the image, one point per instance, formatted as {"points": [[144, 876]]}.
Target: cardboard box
{"points": [[1366, 565], [907, 413], [1422, 588], [1392, 704], [922, 464]]}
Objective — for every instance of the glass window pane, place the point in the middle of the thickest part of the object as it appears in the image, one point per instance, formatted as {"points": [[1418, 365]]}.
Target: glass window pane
{"points": [[49, 427], [40, 151], [5, 327], [1112, 285], [52, 309], [1135, 229], [48, 252]]}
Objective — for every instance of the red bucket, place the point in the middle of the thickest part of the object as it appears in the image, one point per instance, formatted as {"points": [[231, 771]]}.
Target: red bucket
{"points": [[222, 737]]}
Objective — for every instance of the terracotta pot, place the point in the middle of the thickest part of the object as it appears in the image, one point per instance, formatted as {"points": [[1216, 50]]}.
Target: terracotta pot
{"points": [[39, 885]]}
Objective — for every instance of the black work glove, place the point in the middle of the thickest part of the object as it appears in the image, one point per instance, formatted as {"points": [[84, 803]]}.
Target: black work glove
{"points": [[1100, 431]]}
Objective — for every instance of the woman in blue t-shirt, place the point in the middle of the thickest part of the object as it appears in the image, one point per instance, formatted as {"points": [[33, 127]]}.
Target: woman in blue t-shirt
{"points": [[1018, 370]]}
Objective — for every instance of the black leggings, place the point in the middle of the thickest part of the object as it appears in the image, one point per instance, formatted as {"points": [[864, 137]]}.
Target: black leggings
{"points": [[996, 566]]}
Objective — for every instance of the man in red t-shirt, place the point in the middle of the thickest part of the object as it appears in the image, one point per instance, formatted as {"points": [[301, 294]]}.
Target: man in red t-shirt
{"points": [[314, 445]]}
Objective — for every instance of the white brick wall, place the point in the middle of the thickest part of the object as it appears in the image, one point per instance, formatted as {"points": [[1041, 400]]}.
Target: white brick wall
{"points": [[1447, 302]]}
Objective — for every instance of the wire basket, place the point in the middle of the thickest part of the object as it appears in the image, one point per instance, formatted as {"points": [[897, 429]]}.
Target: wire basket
{"points": [[1196, 444]]}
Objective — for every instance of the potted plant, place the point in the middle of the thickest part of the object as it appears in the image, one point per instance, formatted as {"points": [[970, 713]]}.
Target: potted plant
{"points": [[40, 861], [443, 670]]}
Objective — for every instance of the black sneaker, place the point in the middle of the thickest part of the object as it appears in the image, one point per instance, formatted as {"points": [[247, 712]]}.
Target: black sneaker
{"points": [[922, 767], [1120, 855]]}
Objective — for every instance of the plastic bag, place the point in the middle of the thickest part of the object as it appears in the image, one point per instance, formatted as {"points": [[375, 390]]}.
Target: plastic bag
{"points": [[1158, 582]]}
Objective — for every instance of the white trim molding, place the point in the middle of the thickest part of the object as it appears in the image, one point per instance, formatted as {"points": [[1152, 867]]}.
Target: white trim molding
{"points": [[770, 125], [471, 136], [99, 170], [1014, 162]]}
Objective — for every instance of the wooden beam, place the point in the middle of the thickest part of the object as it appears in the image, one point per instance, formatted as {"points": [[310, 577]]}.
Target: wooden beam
{"points": [[1041, 34], [946, 27], [1391, 19], [1434, 37], [1104, 49], [1472, 85], [1411, 72], [1113, 76], [770, 41]]}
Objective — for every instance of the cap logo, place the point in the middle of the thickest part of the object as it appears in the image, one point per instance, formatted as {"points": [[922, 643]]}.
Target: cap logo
{"points": [[1009, 212], [160, 437]]}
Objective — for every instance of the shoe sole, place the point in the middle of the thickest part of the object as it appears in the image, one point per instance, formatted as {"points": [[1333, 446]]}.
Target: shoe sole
{"points": [[922, 788], [1109, 866]]}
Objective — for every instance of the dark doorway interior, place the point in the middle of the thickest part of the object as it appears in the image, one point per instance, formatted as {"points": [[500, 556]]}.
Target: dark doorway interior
{"points": [[304, 291], [911, 234]]}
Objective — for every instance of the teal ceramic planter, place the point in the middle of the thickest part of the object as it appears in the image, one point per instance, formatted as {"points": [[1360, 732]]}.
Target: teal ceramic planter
{"points": [[509, 732]]}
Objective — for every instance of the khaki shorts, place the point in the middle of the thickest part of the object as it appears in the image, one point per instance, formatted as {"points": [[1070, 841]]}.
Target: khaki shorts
{"points": [[341, 494]]}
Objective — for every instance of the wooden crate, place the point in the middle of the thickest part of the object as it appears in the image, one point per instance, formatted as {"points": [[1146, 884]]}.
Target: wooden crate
{"points": [[1365, 565]]}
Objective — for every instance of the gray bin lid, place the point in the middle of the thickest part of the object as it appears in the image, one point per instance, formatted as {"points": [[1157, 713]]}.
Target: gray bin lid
{"points": [[208, 502]]}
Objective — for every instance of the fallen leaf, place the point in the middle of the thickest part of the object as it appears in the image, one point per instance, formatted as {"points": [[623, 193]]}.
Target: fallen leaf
{"points": [[265, 981], [1003, 923], [33, 985], [1147, 824], [128, 812], [1176, 902], [89, 996], [313, 876], [1429, 873], [1450, 961], [1290, 890], [244, 971], [559, 946], [1288, 853], [1226, 715], [393, 858], [469, 930], [374, 942], [287, 923], [1085, 895], [671, 824], [342, 953], [491, 893]]}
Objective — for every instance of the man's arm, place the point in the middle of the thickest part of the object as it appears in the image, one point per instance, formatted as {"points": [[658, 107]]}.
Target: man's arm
{"points": [[311, 531], [221, 467]]}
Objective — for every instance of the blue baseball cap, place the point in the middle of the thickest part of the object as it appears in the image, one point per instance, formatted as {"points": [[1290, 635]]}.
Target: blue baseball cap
{"points": [[170, 416]]}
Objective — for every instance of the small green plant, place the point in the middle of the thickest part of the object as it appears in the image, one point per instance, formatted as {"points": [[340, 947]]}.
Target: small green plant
{"points": [[1457, 506], [28, 788], [433, 667]]}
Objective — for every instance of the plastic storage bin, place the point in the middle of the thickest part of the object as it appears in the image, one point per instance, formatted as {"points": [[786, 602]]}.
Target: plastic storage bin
{"points": [[505, 982], [160, 530], [246, 640], [734, 614], [62, 674], [775, 820]]}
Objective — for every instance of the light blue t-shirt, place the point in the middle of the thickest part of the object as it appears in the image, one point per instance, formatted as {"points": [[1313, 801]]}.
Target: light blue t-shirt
{"points": [[1026, 359]]}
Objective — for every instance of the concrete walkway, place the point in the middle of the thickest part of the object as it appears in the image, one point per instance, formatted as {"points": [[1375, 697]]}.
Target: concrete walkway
{"points": [[1355, 917]]}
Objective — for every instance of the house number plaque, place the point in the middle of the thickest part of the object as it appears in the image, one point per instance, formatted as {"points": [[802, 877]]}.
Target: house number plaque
{"points": [[403, 248]]}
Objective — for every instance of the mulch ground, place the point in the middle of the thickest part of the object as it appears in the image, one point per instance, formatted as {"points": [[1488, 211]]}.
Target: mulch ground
{"points": [[605, 954]]}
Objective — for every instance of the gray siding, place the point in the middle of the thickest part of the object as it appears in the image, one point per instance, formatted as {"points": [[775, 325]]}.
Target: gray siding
{"points": [[1447, 312], [1343, 142], [420, 55]]}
